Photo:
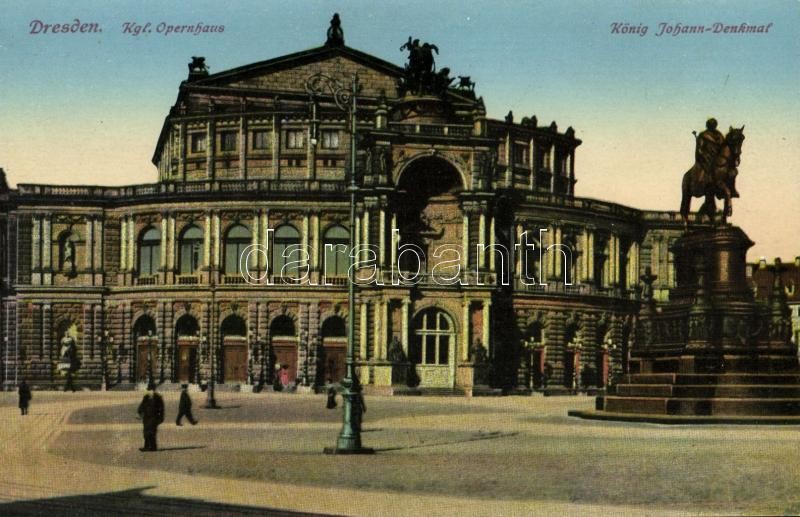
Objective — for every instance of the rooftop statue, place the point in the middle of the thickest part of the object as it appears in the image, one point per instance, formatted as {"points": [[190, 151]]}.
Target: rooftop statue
{"points": [[713, 174], [335, 32], [421, 77]]}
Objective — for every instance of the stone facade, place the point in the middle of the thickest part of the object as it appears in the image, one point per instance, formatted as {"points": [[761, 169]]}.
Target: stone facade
{"points": [[143, 278]]}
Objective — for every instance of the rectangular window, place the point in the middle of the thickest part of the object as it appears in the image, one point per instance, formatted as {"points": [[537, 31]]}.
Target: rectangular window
{"points": [[295, 139], [198, 142], [330, 139], [261, 140], [227, 141], [521, 154]]}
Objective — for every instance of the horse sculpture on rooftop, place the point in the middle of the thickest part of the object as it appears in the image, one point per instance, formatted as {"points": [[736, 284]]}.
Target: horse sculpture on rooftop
{"points": [[714, 173]]}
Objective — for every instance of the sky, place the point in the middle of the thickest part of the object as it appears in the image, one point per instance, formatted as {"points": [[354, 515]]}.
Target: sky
{"points": [[87, 108]]}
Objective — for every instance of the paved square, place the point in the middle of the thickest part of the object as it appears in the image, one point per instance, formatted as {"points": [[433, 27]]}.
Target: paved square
{"points": [[435, 456]]}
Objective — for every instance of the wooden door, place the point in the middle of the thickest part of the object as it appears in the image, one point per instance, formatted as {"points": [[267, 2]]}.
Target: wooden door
{"points": [[187, 362], [286, 354], [143, 362], [334, 356], [235, 363]]}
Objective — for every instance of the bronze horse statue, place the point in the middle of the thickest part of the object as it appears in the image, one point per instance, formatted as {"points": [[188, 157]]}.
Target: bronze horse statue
{"points": [[717, 180]]}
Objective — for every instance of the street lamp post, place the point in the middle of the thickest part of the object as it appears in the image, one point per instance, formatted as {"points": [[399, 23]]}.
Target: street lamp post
{"points": [[349, 440], [211, 402], [105, 342], [150, 358]]}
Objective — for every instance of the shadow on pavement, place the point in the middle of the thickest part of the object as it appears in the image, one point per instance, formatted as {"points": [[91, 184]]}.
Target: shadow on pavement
{"points": [[185, 448], [487, 436], [135, 502]]}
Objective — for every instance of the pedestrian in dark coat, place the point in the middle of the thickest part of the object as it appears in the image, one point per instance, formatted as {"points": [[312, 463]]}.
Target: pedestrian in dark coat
{"points": [[185, 407], [151, 411], [359, 408], [24, 397], [331, 396]]}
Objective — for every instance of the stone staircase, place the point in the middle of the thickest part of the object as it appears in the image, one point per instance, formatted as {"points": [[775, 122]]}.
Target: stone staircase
{"points": [[705, 394]]}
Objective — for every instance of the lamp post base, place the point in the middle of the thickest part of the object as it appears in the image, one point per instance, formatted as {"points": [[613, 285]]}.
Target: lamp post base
{"points": [[358, 450]]}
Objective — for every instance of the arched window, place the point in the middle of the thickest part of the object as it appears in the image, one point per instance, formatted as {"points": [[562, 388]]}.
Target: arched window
{"points": [[336, 246], [286, 251], [433, 335], [149, 251], [191, 244], [282, 326], [237, 239]]}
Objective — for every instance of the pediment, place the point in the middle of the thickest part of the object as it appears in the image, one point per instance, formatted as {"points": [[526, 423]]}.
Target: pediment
{"points": [[289, 73]]}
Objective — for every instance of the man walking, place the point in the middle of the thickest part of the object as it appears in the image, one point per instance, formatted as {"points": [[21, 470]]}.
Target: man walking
{"points": [[185, 407], [151, 411], [24, 397]]}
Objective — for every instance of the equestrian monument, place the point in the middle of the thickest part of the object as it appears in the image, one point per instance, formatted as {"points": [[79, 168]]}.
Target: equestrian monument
{"points": [[711, 354]]}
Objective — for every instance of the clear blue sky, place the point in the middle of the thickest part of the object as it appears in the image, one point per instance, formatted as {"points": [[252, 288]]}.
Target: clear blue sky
{"points": [[87, 108]]}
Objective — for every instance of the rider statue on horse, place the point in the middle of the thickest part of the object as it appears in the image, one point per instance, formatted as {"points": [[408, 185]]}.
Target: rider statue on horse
{"points": [[714, 173]]}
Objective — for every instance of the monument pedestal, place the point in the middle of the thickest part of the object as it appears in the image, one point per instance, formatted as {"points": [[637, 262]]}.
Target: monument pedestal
{"points": [[712, 353]]}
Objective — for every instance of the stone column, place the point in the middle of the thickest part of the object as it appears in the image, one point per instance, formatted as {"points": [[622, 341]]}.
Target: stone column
{"points": [[89, 255], [316, 252], [47, 247], [132, 243], [481, 237], [378, 331], [381, 238], [99, 245], [590, 258], [465, 324], [207, 241], [531, 164], [304, 235], [276, 147], [394, 239], [263, 257], [465, 242], [558, 265], [486, 330], [182, 150], [210, 149], [243, 147], [164, 232], [616, 261], [36, 246], [551, 252], [491, 243], [123, 243], [365, 230], [520, 252], [171, 244], [405, 323], [254, 242], [217, 238], [362, 330]]}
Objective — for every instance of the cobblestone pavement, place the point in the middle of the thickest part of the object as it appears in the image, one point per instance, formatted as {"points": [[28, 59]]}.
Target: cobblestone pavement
{"points": [[261, 454]]}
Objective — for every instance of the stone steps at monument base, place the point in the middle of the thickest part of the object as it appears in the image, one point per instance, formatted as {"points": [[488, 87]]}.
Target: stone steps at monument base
{"points": [[711, 378], [703, 391], [701, 406]]}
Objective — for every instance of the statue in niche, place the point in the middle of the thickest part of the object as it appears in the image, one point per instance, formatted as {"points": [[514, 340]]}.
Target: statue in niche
{"points": [[395, 353]]}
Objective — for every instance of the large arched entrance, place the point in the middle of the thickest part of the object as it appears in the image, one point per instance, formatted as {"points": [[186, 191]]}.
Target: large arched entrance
{"points": [[283, 336], [432, 348], [187, 338], [144, 337], [333, 352], [234, 349], [430, 214]]}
